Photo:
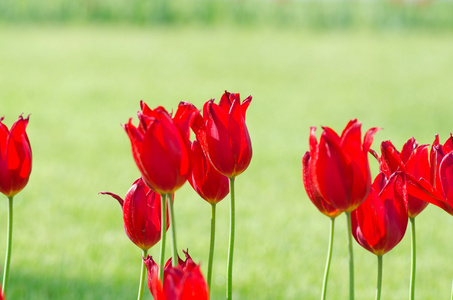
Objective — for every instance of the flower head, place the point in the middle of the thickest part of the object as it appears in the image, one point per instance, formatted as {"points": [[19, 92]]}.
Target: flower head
{"points": [[438, 188], [141, 214], [183, 282], [380, 222], [15, 157], [205, 179], [414, 161], [223, 134], [160, 146], [340, 171]]}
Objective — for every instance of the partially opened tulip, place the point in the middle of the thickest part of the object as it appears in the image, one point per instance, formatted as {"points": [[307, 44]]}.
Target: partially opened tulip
{"points": [[322, 205], [141, 214], [341, 173], [438, 189], [161, 150], [380, 222], [223, 134], [414, 161], [15, 169], [160, 146], [205, 179], [181, 282], [224, 138], [15, 157], [211, 186], [142, 219]]}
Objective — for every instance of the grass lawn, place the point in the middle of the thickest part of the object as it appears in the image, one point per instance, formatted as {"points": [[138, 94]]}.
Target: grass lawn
{"points": [[80, 83]]}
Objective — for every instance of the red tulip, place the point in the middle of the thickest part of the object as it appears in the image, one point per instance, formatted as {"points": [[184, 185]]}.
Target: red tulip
{"points": [[414, 160], [311, 189], [340, 168], [223, 134], [183, 282], [15, 157], [160, 146], [380, 222], [141, 214], [205, 180], [439, 190]]}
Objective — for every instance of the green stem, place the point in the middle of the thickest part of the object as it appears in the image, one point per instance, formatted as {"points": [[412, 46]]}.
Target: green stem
{"points": [[351, 257], [211, 248], [173, 232], [329, 258], [9, 240], [231, 244], [142, 276], [413, 259], [163, 228], [379, 278], [452, 290]]}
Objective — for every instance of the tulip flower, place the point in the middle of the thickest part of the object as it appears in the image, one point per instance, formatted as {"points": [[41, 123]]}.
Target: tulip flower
{"points": [[161, 150], [340, 165], [181, 282], [323, 206], [224, 138], [205, 179], [223, 134], [15, 157], [142, 219], [414, 161], [341, 173], [211, 186], [437, 189], [141, 214], [15, 169], [380, 222], [160, 146]]}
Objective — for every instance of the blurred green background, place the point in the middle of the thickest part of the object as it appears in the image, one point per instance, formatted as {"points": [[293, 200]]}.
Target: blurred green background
{"points": [[81, 68]]}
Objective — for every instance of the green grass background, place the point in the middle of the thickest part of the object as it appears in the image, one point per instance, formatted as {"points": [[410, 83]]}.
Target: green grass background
{"points": [[80, 79]]}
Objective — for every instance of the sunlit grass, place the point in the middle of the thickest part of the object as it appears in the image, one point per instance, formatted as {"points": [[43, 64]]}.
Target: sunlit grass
{"points": [[81, 83]]}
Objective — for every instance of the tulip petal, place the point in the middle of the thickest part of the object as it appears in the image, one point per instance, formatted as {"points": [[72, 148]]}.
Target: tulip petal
{"points": [[164, 156], [446, 177], [332, 171], [423, 190], [220, 153], [240, 143], [390, 159], [312, 192], [408, 148]]}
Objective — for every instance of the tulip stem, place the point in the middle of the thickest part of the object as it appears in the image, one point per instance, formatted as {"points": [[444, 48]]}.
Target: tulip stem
{"points": [[9, 240], [329, 258], [163, 232], [142, 276], [351, 257], [413, 259], [379, 277], [231, 243], [212, 242], [174, 249], [452, 290]]}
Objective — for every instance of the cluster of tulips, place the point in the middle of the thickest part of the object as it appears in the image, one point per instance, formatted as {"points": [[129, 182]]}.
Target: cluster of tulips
{"points": [[166, 159], [336, 177]]}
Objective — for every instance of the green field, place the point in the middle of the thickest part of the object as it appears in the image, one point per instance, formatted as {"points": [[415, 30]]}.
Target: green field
{"points": [[81, 82]]}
